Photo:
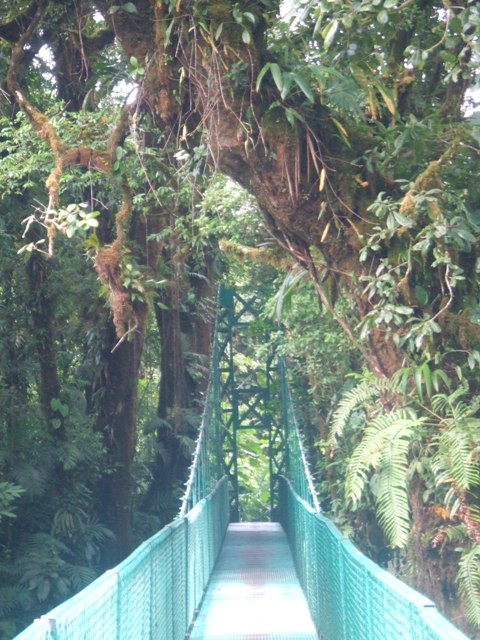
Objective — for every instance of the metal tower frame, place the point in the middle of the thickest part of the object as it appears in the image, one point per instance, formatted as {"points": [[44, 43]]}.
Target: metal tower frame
{"points": [[250, 400]]}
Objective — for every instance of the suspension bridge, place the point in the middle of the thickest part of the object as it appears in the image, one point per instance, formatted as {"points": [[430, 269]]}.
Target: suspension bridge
{"points": [[208, 576]]}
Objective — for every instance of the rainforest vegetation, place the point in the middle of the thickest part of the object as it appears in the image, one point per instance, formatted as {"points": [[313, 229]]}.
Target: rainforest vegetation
{"points": [[321, 154]]}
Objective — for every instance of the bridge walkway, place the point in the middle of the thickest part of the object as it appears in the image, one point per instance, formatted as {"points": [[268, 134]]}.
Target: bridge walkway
{"points": [[254, 592]]}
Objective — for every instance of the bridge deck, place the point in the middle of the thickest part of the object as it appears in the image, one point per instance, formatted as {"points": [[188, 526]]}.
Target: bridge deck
{"points": [[254, 593]]}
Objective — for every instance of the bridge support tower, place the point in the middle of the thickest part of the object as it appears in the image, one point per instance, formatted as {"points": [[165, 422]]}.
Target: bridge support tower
{"points": [[250, 393]]}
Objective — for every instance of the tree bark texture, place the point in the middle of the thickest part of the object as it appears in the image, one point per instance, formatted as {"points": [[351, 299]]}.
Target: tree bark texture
{"points": [[41, 310], [117, 388]]}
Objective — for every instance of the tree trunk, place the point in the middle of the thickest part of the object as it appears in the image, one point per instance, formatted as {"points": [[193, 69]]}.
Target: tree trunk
{"points": [[185, 336], [41, 310], [117, 385], [432, 570], [175, 394]]}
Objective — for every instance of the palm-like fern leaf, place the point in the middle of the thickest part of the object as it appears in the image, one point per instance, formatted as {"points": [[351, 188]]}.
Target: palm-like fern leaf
{"points": [[468, 579], [392, 494], [445, 403], [10, 598], [453, 460], [367, 455], [384, 448], [359, 395]]}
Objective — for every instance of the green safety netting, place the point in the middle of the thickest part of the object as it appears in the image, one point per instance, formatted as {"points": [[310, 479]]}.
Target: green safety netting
{"points": [[297, 464], [207, 466], [349, 596], [155, 592]]}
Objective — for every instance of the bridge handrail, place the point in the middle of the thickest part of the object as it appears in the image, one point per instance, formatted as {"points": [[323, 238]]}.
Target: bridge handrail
{"points": [[205, 468], [350, 597], [299, 474], [155, 591]]}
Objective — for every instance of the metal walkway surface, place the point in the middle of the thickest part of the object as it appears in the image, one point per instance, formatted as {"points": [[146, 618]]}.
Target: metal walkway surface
{"points": [[254, 593]]}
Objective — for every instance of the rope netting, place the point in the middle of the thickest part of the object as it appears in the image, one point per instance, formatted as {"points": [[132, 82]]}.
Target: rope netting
{"points": [[155, 592], [297, 464], [349, 596], [207, 465]]}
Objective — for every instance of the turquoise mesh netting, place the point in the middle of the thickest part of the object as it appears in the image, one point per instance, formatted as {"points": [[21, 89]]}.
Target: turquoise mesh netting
{"points": [[349, 596]]}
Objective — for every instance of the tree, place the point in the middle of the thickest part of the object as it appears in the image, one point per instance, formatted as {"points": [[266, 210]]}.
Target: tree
{"points": [[348, 121]]}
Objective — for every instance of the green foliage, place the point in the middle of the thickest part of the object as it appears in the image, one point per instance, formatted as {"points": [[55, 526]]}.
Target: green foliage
{"points": [[51, 537], [380, 87], [455, 461], [425, 256], [469, 583], [253, 477], [9, 492], [284, 81], [406, 430], [384, 448], [362, 393]]}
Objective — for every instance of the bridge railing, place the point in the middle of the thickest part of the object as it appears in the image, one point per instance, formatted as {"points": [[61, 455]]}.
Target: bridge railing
{"points": [[155, 591], [298, 468], [349, 596], [206, 466]]}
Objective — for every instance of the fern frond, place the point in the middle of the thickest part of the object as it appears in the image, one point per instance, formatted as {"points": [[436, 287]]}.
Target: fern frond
{"points": [[9, 599], [465, 473], [384, 447], [31, 478], [468, 579], [456, 533], [42, 544], [392, 495], [353, 399], [383, 430], [441, 402], [453, 460], [9, 492], [80, 576], [460, 411]]}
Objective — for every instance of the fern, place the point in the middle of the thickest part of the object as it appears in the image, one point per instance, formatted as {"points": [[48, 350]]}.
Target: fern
{"points": [[453, 458], [80, 576], [34, 480], [359, 395], [392, 497], [368, 452], [450, 405], [384, 448], [456, 533], [9, 597], [9, 492], [468, 579], [455, 462]]}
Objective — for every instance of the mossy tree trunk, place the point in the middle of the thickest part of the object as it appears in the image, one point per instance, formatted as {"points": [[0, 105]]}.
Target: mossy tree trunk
{"points": [[185, 328], [117, 390]]}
